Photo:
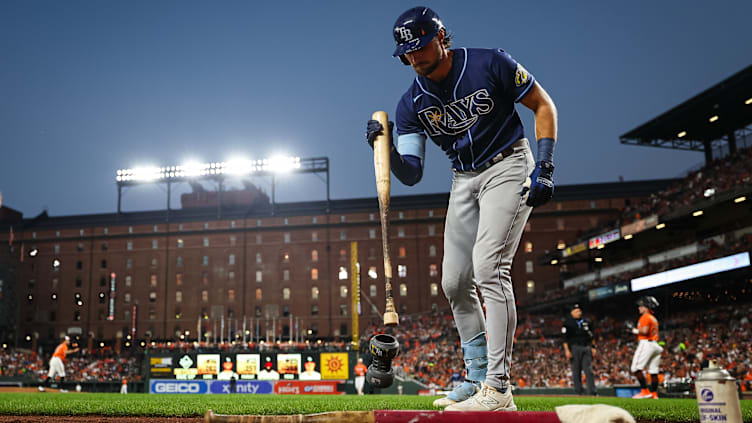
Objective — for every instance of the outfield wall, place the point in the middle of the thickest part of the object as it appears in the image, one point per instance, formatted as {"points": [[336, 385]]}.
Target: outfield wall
{"points": [[290, 387]]}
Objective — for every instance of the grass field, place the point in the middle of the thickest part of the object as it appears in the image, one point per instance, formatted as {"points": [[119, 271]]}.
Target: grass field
{"points": [[55, 404]]}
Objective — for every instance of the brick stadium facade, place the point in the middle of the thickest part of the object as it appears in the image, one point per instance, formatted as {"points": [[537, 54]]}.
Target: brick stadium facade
{"points": [[250, 263]]}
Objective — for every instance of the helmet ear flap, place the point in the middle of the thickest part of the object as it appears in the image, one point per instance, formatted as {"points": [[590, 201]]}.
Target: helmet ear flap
{"points": [[403, 59]]}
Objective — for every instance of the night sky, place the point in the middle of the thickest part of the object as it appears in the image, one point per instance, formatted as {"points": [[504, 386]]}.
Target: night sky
{"points": [[89, 87]]}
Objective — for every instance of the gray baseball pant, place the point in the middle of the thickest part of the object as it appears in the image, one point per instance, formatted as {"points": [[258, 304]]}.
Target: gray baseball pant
{"points": [[485, 220]]}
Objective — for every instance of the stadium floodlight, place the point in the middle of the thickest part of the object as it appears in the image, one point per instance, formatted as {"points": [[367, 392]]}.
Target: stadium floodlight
{"points": [[561, 246], [33, 253], [713, 118], [749, 101], [682, 134], [554, 262], [598, 259], [697, 213], [660, 226], [740, 199], [628, 236]]}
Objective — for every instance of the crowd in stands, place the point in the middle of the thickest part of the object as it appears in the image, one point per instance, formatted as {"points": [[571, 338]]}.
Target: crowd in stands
{"points": [[722, 174], [81, 367]]}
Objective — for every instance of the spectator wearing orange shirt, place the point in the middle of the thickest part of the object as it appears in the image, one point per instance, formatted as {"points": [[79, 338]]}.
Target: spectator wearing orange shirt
{"points": [[57, 364]]}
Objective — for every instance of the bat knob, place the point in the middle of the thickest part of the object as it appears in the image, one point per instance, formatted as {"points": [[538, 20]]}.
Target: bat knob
{"points": [[383, 348]]}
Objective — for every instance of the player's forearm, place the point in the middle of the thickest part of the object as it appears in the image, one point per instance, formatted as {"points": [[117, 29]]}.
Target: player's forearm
{"points": [[407, 168], [546, 121]]}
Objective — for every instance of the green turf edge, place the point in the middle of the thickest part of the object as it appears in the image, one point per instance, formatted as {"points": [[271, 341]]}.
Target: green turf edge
{"points": [[55, 404]]}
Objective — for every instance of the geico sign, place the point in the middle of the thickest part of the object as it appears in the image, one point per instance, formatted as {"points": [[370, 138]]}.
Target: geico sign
{"points": [[177, 388]]}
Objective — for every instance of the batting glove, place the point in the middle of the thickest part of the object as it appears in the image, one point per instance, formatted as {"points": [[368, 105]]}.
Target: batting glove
{"points": [[541, 184], [375, 128]]}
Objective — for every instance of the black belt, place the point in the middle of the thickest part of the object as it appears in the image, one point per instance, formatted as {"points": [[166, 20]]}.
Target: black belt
{"points": [[495, 159]]}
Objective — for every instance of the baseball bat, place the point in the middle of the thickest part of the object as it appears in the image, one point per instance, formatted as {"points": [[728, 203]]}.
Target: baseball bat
{"points": [[399, 416], [381, 147]]}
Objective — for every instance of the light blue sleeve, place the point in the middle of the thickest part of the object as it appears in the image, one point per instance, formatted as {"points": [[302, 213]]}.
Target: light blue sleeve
{"points": [[413, 145]]}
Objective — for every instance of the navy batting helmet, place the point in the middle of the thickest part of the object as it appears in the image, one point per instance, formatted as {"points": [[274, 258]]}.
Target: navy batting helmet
{"points": [[649, 302], [414, 29]]}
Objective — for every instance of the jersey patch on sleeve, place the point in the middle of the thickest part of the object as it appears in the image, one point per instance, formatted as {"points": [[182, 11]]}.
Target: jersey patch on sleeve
{"points": [[521, 76]]}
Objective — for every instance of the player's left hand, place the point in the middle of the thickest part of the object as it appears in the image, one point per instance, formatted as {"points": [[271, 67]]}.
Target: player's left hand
{"points": [[541, 187]]}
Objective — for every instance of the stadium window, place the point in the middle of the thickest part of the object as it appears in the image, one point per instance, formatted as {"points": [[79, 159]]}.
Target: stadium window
{"points": [[343, 309], [77, 315], [431, 230], [371, 216], [233, 240], [433, 270], [152, 314], [56, 263], [402, 252], [153, 280], [101, 298], [314, 255], [232, 224], [127, 297], [258, 311], [126, 317], [592, 204], [79, 282], [206, 241], [205, 278], [528, 247], [129, 263], [156, 228], [342, 254], [314, 274], [57, 249], [434, 307], [57, 234], [259, 276], [528, 266], [286, 237], [430, 213], [343, 291], [80, 247], [259, 294], [403, 309], [314, 236], [314, 293], [342, 273], [259, 259], [371, 253], [180, 243], [55, 281], [286, 274], [434, 289], [130, 229], [403, 290], [154, 262], [342, 235], [178, 279], [129, 245], [530, 287], [105, 246], [231, 260], [231, 276], [204, 295], [372, 233], [528, 227], [178, 296], [372, 272], [30, 298], [314, 310], [285, 257], [342, 219], [128, 281], [374, 310], [102, 281], [104, 264], [561, 245], [286, 221], [402, 270], [206, 225], [560, 224], [205, 261], [34, 235], [79, 264], [432, 251], [230, 295], [259, 238], [314, 219], [180, 227], [180, 261], [372, 290], [152, 296], [400, 232], [285, 293], [401, 215], [154, 244], [286, 313]]}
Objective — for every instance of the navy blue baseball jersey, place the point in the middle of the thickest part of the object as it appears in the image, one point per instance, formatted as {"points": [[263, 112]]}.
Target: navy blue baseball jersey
{"points": [[471, 113]]}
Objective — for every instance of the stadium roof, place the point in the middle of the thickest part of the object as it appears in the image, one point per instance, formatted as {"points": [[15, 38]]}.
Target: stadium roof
{"points": [[702, 122]]}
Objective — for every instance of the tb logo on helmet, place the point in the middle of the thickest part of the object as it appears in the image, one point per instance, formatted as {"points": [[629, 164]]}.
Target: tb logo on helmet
{"points": [[405, 33]]}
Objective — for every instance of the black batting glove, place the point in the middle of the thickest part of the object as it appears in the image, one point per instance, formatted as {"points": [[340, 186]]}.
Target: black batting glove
{"points": [[541, 185], [375, 128]]}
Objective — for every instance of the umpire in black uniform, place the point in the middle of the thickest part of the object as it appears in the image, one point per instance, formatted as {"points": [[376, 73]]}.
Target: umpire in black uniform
{"points": [[579, 347]]}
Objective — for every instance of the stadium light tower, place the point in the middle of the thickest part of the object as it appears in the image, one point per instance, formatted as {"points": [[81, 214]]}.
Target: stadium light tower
{"points": [[218, 172]]}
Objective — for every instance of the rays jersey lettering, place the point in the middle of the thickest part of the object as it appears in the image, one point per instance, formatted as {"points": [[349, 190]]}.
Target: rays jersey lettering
{"points": [[457, 116], [471, 113]]}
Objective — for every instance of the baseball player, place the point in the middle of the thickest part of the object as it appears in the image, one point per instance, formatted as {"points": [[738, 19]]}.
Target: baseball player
{"points": [[648, 352], [57, 364], [360, 376], [464, 100]]}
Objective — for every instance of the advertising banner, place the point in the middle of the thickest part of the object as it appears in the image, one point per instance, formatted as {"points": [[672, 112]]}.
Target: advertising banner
{"points": [[288, 366], [248, 365], [160, 367], [163, 386], [298, 387], [334, 366]]}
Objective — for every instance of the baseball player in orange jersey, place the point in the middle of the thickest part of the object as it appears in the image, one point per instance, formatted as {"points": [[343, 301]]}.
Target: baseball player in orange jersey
{"points": [[648, 353], [360, 376], [57, 364]]}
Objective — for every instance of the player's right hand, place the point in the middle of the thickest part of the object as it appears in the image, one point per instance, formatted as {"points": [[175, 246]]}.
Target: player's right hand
{"points": [[375, 128]]}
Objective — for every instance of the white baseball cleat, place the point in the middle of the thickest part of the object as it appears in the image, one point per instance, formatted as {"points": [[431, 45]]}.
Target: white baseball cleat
{"points": [[487, 399], [64, 391], [40, 388], [464, 391]]}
